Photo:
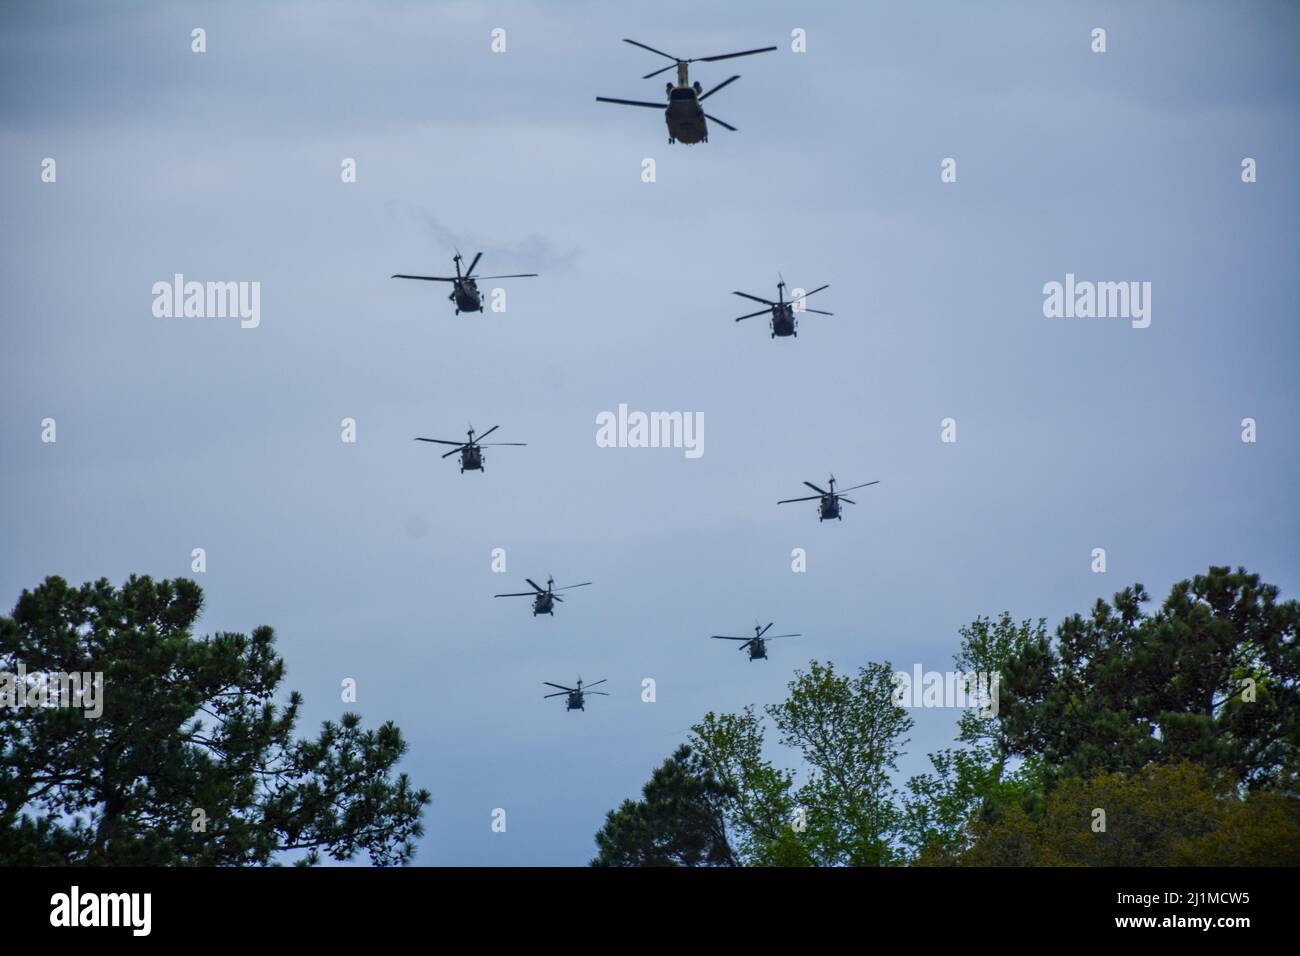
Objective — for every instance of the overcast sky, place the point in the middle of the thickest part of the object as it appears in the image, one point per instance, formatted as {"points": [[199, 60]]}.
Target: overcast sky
{"points": [[373, 560]]}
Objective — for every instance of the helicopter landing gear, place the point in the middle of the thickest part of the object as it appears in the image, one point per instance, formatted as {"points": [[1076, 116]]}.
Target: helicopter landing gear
{"points": [[671, 141]]}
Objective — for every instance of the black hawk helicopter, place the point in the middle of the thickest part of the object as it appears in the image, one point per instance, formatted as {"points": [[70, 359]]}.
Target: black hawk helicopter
{"points": [[543, 601], [464, 289], [757, 644], [829, 506], [782, 312], [471, 451], [576, 694], [682, 112]]}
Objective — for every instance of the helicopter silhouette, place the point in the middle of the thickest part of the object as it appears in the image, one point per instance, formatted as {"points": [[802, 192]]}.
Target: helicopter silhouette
{"points": [[829, 506], [576, 694], [682, 112], [464, 289], [757, 645], [543, 600], [471, 451], [782, 312]]}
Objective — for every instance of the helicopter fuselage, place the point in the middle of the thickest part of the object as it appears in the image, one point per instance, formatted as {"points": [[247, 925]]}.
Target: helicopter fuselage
{"points": [[471, 458], [783, 320], [758, 650], [685, 116], [829, 508], [544, 603], [575, 701], [464, 292]]}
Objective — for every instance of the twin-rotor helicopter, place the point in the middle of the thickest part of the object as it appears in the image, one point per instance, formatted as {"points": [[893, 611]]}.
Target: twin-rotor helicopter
{"points": [[464, 287], [682, 111]]}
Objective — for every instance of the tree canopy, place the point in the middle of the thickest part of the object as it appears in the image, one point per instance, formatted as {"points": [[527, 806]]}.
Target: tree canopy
{"points": [[192, 760], [1182, 727]]}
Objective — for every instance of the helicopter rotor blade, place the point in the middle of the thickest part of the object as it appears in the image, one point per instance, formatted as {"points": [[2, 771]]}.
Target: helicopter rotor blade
{"points": [[500, 444], [516, 594], [818, 311], [866, 485], [721, 123], [534, 584], [486, 433], [442, 441], [746, 295], [600, 693], [653, 106], [559, 693], [847, 501], [725, 637], [773, 637], [765, 630], [651, 49], [663, 69], [560, 686], [815, 488], [814, 291], [568, 586], [425, 278], [470, 271], [455, 451], [728, 56], [594, 683], [718, 87], [753, 315], [791, 500], [521, 275]]}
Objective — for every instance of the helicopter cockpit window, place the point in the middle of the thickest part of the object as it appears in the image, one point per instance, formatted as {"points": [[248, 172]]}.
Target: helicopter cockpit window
{"points": [[686, 94]]}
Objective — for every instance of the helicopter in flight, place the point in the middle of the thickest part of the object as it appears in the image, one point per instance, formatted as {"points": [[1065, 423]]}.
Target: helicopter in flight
{"points": [[471, 451], [576, 694], [464, 288], [543, 601], [757, 644], [782, 312], [829, 505], [682, 111]]}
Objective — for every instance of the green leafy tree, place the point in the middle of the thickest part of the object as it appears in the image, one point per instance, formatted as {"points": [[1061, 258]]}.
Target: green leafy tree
{"points": [[972, 782], [1212, 677], [188, 725], [1177, 814], [848, 732], [757, 805], [679, 821]]}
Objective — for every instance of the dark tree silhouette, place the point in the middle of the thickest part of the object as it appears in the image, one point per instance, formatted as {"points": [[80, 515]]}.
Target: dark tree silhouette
{"points": [[191, 761], [1212, 677], [679, 821]]}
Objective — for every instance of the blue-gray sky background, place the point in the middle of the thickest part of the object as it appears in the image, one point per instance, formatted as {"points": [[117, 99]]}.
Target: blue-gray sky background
{"points": [[373, 561]]}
